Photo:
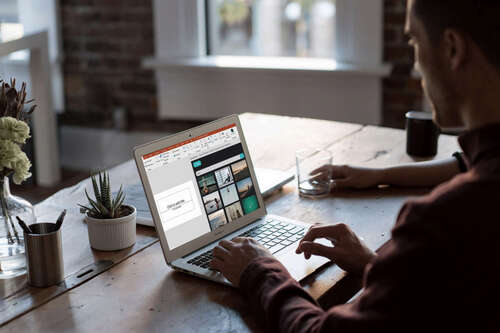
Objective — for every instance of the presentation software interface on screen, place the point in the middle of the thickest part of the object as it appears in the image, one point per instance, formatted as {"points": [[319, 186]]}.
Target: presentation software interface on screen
{"points": [[200, 184]]}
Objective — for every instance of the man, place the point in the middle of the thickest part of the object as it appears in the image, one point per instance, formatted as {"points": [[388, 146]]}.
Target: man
{"points": [[441, 270]]}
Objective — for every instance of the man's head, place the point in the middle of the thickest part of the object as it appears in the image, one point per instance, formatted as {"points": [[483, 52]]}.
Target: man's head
{"points": [[456, 44]]}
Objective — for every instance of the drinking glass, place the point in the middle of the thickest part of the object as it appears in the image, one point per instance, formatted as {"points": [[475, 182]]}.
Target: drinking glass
{"points": [[312, 174]]}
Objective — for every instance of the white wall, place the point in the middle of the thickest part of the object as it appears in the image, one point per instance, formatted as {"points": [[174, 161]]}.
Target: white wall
{"points": [[92, 148], [208, 94]]}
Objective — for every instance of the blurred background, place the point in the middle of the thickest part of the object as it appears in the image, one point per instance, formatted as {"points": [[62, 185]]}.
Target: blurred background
{"points": [[123, 72]]}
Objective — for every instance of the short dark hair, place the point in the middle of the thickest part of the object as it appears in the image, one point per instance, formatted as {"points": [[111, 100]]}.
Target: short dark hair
{"points": [[480, 19]]}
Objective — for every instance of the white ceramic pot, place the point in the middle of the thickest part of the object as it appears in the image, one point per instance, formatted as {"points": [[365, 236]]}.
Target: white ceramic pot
{"points": [[112, 234]]}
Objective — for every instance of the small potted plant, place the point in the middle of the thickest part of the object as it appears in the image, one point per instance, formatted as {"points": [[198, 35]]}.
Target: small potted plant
{"points": [[111, 224]]}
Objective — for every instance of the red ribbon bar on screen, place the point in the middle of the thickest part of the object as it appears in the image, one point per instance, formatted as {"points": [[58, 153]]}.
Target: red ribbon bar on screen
{"points": [[145, 157]]}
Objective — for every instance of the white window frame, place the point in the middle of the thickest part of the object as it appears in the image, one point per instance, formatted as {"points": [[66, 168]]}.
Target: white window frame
{"points": [[44, 123], [37, 16], [180, 35], [42, 41]]}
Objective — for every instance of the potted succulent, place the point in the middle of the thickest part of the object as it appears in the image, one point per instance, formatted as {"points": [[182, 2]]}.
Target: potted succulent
{"points": [[111, 224]]}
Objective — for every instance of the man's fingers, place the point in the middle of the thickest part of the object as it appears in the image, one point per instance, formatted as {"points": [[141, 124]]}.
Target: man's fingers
{"points": [[335, 232], [322, 174], [217, 264], [226, 244], [310, 248], [313, 233], [220, 252], [322, 231], [240, 239], [324, 168]]}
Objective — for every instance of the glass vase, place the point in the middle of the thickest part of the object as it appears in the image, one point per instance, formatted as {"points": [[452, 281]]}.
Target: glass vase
{"points": [[12, 258]]}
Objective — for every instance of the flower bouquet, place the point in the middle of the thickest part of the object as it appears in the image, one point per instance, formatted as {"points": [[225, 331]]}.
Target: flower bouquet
{"points": [[14, 131]]}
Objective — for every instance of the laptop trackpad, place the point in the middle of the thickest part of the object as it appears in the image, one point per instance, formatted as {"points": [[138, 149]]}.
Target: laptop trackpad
{"points": [[297, 265]]}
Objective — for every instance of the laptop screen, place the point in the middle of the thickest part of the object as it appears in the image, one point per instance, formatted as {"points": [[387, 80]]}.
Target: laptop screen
{"points": [[200, 184]]}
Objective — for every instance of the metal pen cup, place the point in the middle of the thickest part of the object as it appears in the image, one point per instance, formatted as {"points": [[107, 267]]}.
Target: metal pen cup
{"points": [[44, 257]]}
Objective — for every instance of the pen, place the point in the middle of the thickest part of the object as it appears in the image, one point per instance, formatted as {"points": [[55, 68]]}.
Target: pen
{"points": [[60, 219], [23, 225]]}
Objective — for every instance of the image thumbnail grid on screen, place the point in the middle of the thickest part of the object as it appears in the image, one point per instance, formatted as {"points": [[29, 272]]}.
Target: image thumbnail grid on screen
{"points": [[227, 191]]}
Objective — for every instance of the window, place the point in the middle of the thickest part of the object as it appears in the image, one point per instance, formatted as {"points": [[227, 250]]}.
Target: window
{"points": [[10, 31], [291, 28], [10, 27], [269, 56]]}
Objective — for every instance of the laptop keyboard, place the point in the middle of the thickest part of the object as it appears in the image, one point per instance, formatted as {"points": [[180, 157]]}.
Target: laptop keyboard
{"points": [[274, 235]]}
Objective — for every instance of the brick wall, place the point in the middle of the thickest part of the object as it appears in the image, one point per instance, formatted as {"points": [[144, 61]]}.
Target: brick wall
{"points": [[401, 91], [104, 42]]}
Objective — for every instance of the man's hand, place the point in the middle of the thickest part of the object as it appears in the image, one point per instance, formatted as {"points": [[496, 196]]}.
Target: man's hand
{"points": [[232, 257], [348, 252], [344, 176]]}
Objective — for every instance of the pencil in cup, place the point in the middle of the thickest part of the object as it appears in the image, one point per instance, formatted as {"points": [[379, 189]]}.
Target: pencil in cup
{"points": [[44, 257]]}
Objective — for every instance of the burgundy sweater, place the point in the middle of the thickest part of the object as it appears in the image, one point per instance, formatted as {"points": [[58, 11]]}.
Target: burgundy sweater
{"points": [[439, 272]]}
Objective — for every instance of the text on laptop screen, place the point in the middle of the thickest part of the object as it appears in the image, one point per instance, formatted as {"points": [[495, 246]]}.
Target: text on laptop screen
{"points": [[200, 184]]}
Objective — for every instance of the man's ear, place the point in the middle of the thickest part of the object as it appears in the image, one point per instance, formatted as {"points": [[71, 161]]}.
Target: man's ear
{"points": [[455, 48]]}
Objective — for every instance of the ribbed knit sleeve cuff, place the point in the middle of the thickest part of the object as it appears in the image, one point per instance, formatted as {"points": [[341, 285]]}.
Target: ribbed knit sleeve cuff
{"points": [[253, 276], [259, 283], [269, 287]]}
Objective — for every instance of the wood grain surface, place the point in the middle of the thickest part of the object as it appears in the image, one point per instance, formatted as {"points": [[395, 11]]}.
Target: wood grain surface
{"points": [[142, 293], [77, 252]]}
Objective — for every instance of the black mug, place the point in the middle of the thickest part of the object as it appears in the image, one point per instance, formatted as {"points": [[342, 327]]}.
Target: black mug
{"points": [[422, 134]]}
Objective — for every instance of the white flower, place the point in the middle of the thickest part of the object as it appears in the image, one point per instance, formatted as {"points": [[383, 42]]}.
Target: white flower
{"points": [[13, 158], [13, 129], [21, 169], [9, 153]]}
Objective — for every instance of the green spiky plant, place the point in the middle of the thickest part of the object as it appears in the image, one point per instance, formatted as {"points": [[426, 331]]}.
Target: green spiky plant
{"points": [[105, 206]]}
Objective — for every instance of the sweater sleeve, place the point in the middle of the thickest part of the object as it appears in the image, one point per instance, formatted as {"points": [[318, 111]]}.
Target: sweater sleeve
{"points": [[395, 290], [274, 294]]}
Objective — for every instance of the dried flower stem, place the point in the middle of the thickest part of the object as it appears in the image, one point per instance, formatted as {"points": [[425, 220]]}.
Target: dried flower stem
{"points": [[6, 214], [12, 101]]}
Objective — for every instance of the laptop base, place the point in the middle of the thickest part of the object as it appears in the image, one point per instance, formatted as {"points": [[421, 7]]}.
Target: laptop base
{"points": [[298, 267]]}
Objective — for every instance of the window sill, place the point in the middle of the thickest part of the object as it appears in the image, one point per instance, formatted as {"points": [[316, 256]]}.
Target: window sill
{"points": [[276, 64], [18, 61]]}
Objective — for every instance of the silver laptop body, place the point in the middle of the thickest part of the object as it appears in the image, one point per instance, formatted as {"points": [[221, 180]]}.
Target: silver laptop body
{"points": [[201, 188]]}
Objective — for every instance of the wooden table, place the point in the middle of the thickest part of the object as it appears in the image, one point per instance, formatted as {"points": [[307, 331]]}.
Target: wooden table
{"points": [[139, 292]]}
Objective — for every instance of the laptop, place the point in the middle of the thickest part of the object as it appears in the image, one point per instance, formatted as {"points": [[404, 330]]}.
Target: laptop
{"points": [[201, 187], [269, 180]]}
